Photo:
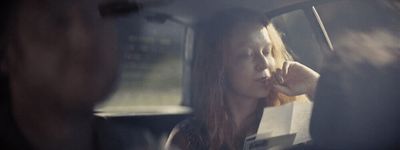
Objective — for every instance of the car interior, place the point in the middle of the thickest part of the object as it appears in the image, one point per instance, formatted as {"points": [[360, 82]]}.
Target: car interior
{"points": [[156, 38]]}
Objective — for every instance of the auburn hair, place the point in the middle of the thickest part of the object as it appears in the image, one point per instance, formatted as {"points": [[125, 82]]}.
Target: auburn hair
{"points": [[207, 74]]}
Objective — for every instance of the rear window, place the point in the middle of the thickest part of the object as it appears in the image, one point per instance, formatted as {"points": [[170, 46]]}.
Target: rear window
{"points": [[152, 63]]}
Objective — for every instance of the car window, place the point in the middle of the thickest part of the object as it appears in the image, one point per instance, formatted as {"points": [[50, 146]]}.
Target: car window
{"points": [[151, 70], [157, 52], [362, 31], [300, 38]]}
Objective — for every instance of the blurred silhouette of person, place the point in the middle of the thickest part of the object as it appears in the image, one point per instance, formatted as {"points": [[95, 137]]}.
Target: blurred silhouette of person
{"points": [[356, 106], [240, 67], [58, 58]]}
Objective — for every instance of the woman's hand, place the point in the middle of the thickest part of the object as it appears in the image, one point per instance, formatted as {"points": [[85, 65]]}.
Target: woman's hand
{"points": [[295, 79]]}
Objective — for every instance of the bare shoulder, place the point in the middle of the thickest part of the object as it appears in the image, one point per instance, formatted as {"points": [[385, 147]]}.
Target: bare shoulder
{"points": [[177, 140], [187, 135]]}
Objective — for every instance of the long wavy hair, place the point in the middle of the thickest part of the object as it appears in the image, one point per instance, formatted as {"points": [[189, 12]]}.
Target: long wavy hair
{"points": [[208, 73]]}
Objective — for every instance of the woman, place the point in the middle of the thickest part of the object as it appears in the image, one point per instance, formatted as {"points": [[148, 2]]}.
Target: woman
{"points": [[240, 66]]}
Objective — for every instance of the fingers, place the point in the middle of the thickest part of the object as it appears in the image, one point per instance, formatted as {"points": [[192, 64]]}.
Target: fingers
{"points": [[295, 79], [284, 90], [279, 76], [279, 83], [285, 68], [283, 82]]}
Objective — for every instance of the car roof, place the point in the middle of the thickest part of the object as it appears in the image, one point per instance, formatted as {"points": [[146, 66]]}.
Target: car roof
{"points": [[190, 11]]}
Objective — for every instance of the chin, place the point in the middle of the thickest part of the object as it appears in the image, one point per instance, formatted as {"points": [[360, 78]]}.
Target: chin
{"points": [[261, 94]]}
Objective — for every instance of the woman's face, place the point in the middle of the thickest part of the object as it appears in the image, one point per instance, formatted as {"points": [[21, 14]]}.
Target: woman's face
{"points": [[249, 61]]}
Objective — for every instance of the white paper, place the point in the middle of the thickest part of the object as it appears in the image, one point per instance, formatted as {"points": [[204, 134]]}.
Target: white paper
{"points": [[288, 119], [276, 121], [301, 121]]}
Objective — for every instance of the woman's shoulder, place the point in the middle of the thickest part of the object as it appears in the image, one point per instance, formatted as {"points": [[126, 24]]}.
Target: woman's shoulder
{"points": [[192, 125], [188, 134]]}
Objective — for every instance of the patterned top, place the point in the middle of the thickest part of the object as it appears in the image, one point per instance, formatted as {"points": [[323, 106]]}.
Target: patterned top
{"points": [[194, 133]]}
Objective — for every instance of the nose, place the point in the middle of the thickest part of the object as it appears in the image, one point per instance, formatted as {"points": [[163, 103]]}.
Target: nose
{"points": [[261, 63]]}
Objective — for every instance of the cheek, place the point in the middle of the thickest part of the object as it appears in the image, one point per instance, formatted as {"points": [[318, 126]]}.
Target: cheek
{"points": [[241, 70], [240, 75], [271, 63]]}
